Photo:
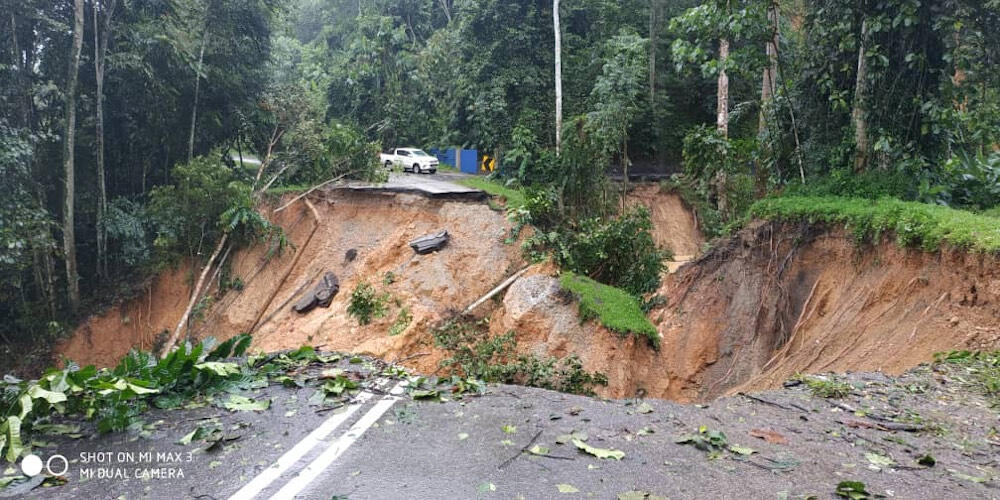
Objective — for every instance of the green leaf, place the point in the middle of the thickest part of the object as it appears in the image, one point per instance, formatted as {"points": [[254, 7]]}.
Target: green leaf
{"points": [[241, 403], [462, 436], [219, 368], [509, 429], [53, 397], [567, 488], [927, 461], [538, 450], [741, 450], [10, 434], [25, 400], [853, 490], [486, 487], [599, 452], [645, 408], [878, 460]]}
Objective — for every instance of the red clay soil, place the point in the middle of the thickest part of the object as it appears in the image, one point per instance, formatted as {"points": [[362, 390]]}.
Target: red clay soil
{"points": [[767, 303], [674, 225], [378, 227]]}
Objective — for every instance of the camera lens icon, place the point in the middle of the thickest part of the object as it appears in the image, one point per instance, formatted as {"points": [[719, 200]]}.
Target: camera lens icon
{"points": [[31, 465]]}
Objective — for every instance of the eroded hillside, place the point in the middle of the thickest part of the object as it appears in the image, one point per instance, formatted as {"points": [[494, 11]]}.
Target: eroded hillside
{"points": [[761, 306]]}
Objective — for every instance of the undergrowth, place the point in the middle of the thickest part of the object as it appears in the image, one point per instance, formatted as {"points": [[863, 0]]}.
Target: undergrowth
{"points": [[513, 198], [914, 224], [613, 307], [116, 398], [366, 303], [473, 353], [981, 371]]}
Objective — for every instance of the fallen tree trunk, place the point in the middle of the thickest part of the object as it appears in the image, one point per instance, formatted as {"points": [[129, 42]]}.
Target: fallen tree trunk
{"points": [[495, 291], [172, 341]]}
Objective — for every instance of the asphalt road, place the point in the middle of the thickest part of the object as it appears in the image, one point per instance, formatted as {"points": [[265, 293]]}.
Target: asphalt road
{"points": [[437, 185], [386, 445]]}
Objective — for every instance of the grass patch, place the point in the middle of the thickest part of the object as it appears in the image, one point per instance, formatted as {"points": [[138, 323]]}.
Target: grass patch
{"points": [[513, 198], [914, 224], [613, 307]]}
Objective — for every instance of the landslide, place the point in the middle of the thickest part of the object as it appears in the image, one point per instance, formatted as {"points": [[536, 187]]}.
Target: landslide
{"points": [[377, 226], [770, 301]]}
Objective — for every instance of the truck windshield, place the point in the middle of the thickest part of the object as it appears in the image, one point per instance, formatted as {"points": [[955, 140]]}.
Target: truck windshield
{"points": [[418, 152]]}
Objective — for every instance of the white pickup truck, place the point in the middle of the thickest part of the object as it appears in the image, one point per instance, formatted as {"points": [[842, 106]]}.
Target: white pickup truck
{"points": [[410, 159]]}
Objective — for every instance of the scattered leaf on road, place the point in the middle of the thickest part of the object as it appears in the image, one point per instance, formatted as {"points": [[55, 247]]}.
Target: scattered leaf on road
{"points": [[567, 488], [769, 435], [462, 436], [539, 450], [599, 452], [645, 408], [241, 403]]}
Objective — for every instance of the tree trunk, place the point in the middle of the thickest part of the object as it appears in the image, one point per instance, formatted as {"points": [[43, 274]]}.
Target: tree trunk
{"points": [[194, 297], [557, 31], [767, 88], [197, 90], [654, 14], [69, 138], [860, 113], [722, 107], [447, 9], [100, 52]]}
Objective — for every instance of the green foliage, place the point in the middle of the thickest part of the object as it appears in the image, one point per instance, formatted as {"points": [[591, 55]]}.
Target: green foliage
{"points": [[718, 169], [512, 198], [117, 397], [613, 307], [186, 215], [620, 251], [367, 303], [616, 93], [474, 353], [913, 224], [826, 387], [979, 371]]}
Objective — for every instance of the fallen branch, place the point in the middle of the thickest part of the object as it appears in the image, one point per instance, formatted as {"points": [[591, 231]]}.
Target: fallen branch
{"points": [[194, 297], [770, 403], [307, 193], [495, 291], [295, 262], [521, 452]]}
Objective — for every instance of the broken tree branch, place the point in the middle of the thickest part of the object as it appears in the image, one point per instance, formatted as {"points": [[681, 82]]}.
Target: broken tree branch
{"points": [[307, 193], [295, 262], [194, 297], [495, 291]]}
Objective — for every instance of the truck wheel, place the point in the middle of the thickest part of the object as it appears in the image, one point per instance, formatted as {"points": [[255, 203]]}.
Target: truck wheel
{"points": [[416, 168], [388, 165]]}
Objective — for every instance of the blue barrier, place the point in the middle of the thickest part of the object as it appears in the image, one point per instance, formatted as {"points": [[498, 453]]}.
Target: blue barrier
{"points": [[469, 161]]}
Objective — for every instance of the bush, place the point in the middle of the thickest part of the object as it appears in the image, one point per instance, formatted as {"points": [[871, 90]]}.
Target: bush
{"points": [[620, 251], [186, 216], [494, 359], [367, 303]]}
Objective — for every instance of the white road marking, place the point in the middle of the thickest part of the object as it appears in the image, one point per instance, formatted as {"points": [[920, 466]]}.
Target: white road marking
{"points": [[314, 469], [268, 475]]}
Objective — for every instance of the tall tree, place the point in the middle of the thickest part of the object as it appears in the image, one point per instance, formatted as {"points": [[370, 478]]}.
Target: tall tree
{"points": [[654, 23], [859, 116], [197, 84], [557, 31], [767, 89], [722, 87], [69, 139], [102, 31]]}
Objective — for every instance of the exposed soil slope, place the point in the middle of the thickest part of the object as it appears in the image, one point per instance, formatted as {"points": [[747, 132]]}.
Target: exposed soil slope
{"points": [[772, 301], [377, 226]]}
